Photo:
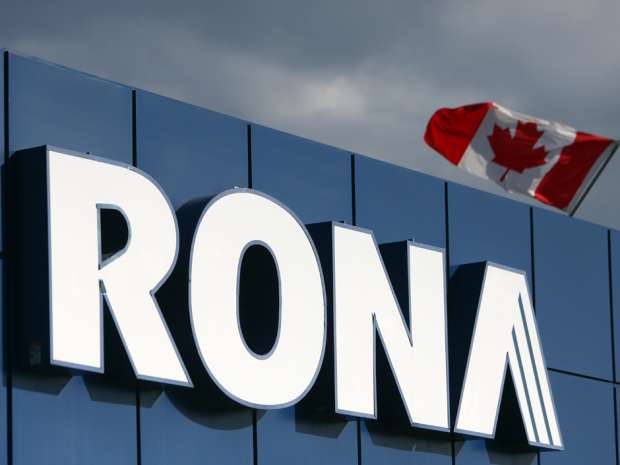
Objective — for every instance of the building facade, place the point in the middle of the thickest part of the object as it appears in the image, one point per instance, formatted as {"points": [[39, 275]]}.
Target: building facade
{"points": [[573, 268]]}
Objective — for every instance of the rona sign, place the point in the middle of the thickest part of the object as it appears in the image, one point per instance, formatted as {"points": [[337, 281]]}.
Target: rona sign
{"points": [[339, 295]]}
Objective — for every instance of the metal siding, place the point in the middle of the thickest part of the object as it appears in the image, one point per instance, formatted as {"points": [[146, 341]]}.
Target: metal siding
{"points": [[572, 294], [314, 181], [310, 178], [614, 251], [3, 356], [192, 153], [399, 204], [484, 227], [175, 431], [81, 419], [381, 444], [287, 436], [3, 54], [51, 105], [72, 420], [586, 413]]}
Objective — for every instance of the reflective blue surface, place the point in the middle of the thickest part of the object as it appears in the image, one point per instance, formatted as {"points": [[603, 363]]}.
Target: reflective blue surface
{"points": [[195, 153], [586, 412], [380, 444], [192, 153], [70, 422], [614, 242], [572, 294], [182, 431], [51, 105], [315, 182], [310, 178], [287, 436], [484, 227], [3, 376], [3, 54], [399, 204]]}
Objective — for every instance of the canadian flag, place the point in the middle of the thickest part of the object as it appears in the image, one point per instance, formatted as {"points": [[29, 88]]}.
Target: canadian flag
{"points": [[549, 161]]}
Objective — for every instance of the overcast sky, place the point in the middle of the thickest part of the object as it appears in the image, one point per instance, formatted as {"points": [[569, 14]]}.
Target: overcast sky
{"points": [[361, 75]]}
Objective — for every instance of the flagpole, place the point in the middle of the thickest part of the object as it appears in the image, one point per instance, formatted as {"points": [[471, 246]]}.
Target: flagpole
{"points": [[594, 179]]}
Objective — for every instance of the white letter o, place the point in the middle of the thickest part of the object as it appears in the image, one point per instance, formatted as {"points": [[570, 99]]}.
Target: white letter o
{"points": [[230, 223]]}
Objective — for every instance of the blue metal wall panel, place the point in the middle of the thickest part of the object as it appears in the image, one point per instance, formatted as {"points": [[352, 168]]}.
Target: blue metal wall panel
{"points": [[173, 432], [382, 445], [196, 153], [3, 355], [286, 436], [586, 412], [487, 227], [306, 176], [572, 294], [192, 153], [314, 180], [3, 54], [74, 423], [56, 419], [399, 204], [51, 105], [484, 227], [614, 251]]}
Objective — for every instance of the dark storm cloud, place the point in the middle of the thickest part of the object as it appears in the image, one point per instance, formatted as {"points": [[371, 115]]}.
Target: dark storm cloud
{"points": [[361, 75]]}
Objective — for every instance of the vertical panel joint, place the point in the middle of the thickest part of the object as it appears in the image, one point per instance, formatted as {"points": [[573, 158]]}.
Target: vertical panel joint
{"points": [[611, 305], [353, 200], [249, 138]]}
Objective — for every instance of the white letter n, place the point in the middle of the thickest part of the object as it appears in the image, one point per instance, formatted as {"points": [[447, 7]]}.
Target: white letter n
{"points": [[364, 302]]}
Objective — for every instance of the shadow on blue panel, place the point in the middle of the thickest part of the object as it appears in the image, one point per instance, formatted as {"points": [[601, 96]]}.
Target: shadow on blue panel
{"points": [[287, 436], [73, 422], [309, 421], [483, 227], [71, 419], [194, 154], [398, 204], [180, 426], [3, 57], [314, 180], [384, 442], [586, 414], [480, 451]]}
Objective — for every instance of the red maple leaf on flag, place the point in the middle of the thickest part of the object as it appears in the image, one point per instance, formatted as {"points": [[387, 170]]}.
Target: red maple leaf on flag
{"points": [[517, 153]]}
